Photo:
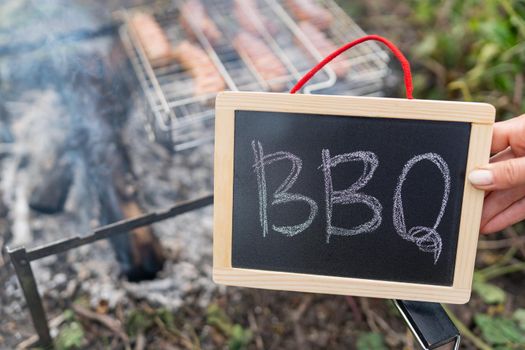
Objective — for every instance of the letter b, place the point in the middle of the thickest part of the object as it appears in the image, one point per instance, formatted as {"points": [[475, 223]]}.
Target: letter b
{"points": [[281, 194], [350, 195]]}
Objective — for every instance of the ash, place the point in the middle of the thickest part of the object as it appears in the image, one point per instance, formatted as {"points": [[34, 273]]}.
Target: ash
{"points": [[161, 179], [164, 179], [71, 120]]}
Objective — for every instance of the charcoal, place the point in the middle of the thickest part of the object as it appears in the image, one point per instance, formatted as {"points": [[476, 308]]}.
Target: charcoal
{"points": [[148, 255], [3, 207], [5, 132], [50, 188], [139, 252]]}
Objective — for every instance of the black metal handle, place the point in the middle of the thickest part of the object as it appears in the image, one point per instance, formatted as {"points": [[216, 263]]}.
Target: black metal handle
{"points": [[429, 323]]}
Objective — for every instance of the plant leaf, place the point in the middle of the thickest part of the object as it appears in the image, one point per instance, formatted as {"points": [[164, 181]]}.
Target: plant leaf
{"points": [[371, 341], [519, 316], [71, 336], [499, 331], [239, 338], [138, 321], [217, 318], [490, 293]]}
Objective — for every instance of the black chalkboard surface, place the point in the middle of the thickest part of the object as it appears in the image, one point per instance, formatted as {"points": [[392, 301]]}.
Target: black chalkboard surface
{"points": [[348, 195], [295, 144]]}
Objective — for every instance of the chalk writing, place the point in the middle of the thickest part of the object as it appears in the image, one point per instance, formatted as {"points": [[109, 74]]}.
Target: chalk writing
{"points": [[426, 238], [281, 194], [350, 195]]}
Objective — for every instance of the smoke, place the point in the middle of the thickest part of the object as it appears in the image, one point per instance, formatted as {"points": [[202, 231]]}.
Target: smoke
{"points": [[66, 95]]}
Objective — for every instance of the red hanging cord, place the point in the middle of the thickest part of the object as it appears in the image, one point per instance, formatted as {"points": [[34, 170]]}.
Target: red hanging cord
{"points": [[399, 55]]}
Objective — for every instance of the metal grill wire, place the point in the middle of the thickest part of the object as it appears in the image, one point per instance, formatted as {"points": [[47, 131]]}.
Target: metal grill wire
{"points": [[183, 120]]}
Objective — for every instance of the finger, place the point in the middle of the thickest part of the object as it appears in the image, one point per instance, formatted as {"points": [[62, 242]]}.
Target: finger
{"points": [[513, 214], [503, 155], [498, 201], [509, 133], [499, 175]]}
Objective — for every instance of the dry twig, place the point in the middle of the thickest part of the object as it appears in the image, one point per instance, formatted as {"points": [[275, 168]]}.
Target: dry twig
{"points": [[356, 312], [174, 335], [30, 342], [365, 306], [378, 324], [140, 343], [255, 329], [501, 243], [105, 320], [296, 316], [516, 239]]}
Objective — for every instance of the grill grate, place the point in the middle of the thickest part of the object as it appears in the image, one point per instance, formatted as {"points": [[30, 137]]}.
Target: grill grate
{"points": [[182, 120]]}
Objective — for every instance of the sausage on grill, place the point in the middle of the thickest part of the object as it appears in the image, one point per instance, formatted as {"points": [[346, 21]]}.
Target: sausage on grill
{"points": [[325, 46], [193, 14], [256, 53], [309, 10], [156, 45], [207, 78], [248, 15]]}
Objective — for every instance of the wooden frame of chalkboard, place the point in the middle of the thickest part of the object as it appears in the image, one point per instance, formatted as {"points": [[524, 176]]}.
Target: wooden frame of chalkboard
{"points": [[480, 117]]}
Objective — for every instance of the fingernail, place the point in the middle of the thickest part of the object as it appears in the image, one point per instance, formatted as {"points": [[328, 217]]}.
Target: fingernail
{"points": [[481, 177]]}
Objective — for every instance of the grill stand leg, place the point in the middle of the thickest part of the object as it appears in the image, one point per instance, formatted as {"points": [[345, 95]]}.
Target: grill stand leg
{"points": [[430, 324], [21, 258], [27, 281]]}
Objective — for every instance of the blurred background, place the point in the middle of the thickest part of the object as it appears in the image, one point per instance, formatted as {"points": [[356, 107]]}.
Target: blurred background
{"points": [[106, 113]]}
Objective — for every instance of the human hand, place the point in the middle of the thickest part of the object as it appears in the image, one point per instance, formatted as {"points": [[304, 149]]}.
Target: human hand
{"points": [[504, 177]]}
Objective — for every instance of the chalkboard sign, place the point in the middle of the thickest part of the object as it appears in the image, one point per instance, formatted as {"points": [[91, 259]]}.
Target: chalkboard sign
{"points": [[348, 195]]}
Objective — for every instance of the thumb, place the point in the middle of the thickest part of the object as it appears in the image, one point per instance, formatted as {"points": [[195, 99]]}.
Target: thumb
{"points": [[500, 175]]}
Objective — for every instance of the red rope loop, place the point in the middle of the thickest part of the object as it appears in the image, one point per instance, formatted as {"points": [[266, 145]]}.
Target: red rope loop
{"points": [[399, 55]]}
